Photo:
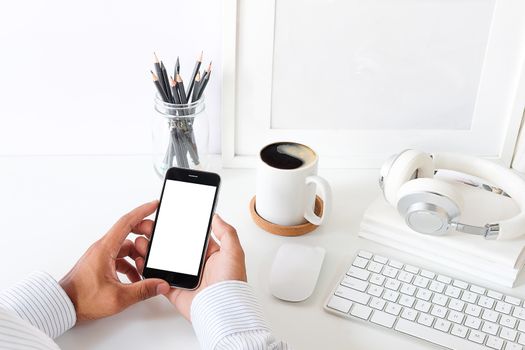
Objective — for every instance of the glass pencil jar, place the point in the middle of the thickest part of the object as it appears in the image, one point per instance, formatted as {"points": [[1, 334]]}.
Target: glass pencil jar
{"points": [[180, 135]]}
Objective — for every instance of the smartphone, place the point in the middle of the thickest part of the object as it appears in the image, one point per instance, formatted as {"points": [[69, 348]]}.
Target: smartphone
{"points": [[182, 227]]}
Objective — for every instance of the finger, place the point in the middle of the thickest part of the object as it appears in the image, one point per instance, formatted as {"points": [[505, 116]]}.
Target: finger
{"points": [[225, 233], [124, 267], [144, 228], [123, 227], [145, 289], [128, 249], [141, 246], [139, 263]]}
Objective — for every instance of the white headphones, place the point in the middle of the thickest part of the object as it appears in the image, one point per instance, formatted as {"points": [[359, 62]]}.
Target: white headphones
{"points": [[432, 206]]}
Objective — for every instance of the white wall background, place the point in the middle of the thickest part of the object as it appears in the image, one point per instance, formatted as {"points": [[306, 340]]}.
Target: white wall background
{"points": [[74, 76]]}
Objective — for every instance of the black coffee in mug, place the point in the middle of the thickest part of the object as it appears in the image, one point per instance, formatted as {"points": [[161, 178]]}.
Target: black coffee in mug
{"points": [[287, 155]]}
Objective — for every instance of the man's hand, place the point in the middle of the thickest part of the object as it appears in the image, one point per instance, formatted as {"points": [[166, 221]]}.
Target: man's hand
{"points": [[223, 263], [93, 285]]}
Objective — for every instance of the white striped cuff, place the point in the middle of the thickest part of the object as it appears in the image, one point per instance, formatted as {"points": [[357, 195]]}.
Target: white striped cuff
{"points": [[223, 309], [40, 300]]}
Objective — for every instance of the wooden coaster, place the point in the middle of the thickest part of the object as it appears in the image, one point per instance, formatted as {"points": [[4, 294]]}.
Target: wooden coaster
{"points": [[280, 230]]}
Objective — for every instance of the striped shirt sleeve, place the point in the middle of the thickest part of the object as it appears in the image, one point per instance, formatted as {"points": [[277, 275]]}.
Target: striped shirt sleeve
{"points": [[227, 315], [41, 301]]}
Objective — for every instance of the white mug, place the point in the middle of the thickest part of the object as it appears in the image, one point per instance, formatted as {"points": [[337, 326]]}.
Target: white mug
{"points": [[287, 196]]}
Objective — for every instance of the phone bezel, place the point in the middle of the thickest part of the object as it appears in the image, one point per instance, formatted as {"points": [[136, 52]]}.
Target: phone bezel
{"points": [[176, 279]]}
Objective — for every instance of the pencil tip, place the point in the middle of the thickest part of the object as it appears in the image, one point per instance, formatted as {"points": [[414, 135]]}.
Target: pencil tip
{"points": [[156, 58], [179, 79], [172, 82], [154, 76], [198, 76], [209, 67], [200, 56]]}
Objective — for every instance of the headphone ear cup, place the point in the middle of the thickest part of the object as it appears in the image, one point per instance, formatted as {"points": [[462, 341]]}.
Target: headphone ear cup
{"points": [[428, 205], [402, 170]]}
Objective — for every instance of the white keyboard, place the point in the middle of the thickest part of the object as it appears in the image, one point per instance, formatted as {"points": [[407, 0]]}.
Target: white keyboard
{"points": [[436, 308]]}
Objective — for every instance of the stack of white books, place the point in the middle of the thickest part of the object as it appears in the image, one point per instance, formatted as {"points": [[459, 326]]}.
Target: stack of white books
{"points": [[493, 260]]}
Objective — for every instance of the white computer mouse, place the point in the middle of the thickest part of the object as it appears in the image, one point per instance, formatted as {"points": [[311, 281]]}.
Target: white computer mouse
{"points": [[295, 271]]}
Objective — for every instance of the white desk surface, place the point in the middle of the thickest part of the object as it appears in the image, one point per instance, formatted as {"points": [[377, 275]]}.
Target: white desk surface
{"points": [[53, 208]]}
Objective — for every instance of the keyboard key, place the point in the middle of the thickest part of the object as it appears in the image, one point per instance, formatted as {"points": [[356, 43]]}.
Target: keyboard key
{"points": [[411, 269], [395, 264], [377, 303], [469, 297], [507, 333], [389, 271], [360, 262], [427, 274], [512, 300], [421, 282], [439, 299], [453, 292], [486, 302], [444, 279], [495, 342], [456, 304], [459, 331], [354, 283], [460, 284], [456, 317], [422, 306], [375, 267], [507, 321], [521, 339], [377, 279], [375, 290], [392, 284], [380, 259], [437, 287], [409, 314], [406, 300], [490, 315], [439, 311], [473, 310], [408, 289], [383, 319], [393, 309], [358, 272], [405, 276], [361, 311], [425, 319], [442, 325], [391, 295], [339, 304], [503, 307], [472, 322], [490, 328], [518, 312], [477, 337], [477, 289], [365, 254], [424, 294], [521, 326], [494, 294], [513, 346], [352, 294]]}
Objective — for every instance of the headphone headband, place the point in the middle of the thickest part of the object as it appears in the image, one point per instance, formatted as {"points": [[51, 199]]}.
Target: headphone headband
{"points": [[500, 176]]}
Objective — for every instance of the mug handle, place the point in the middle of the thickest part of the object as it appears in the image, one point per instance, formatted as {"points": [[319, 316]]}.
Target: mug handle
{"points": [[326, 194]]}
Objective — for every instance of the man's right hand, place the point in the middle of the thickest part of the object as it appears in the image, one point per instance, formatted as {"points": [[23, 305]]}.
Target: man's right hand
{"points": [[223, 263]]}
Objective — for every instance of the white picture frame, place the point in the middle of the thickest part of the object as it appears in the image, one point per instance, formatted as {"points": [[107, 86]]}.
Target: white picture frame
{"points": [[249, 34]]}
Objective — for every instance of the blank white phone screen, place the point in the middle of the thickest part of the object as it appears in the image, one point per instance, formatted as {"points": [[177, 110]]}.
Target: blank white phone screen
{"points": [[181, 227]]}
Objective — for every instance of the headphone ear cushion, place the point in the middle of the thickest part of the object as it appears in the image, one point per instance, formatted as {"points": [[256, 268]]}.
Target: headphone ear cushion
{"points": [[428, 205], [403, 169]]}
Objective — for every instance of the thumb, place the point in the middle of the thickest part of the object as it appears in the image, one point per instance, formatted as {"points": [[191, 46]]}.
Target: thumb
{"points": [[146, 289], [225, 233]]}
